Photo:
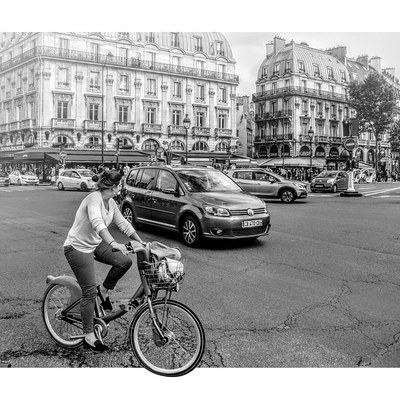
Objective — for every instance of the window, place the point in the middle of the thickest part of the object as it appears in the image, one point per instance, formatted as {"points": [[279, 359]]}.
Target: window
{"points": [[222, 95], [200, 119], [333, 110], [274, 130], [177, 89], [316, 69], [150, 144], [151, 87], [176, 61], [221, 121], [200, 65], [342, 76], [151, 115], [222, 69], [94, 112], [198, 44], [166, 180], [333, 91], [147, 179], [31, 109], [123, 114], [151, 58], [62, 109], [123, 83], [123, 53], [200, 92], [174, 39], [330, 72], [64, 44], [304, 86], [176, 117], [94, 81], [304, 106], [320, 129], [286, 106], [320, 108], [262, 88], [19, 80], [272, 107], [177, 145], [346, 112], [276, 69], [95, 49], [63, 76], [31, 76], [220, 50], [200, 146], [274, 87], [287, 83], [288, 66], [318, 88], [93, 141], [301, 66], [265, 72], [150, 37], [18, 113], [334, 129]]}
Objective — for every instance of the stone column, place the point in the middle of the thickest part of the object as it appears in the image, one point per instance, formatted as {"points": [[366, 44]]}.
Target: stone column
{"points": [[211, 111], [164, 111]]}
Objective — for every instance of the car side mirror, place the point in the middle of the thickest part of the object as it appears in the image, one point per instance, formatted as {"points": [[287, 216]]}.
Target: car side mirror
{"points": [[170, 191], [271, 179]]}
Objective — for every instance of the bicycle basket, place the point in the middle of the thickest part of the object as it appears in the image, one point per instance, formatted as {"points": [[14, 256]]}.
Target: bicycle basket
{"points": [[164, 274]]}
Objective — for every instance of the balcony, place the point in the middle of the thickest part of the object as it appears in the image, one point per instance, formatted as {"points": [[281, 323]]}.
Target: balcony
{"points": [[4, 128], [124, 126], [286, 136], [176, 130], [152, 128], [305, 138], [62, 123], [222, 133], [90, 125], [274, 115], [335, 139], [15, 126], [321, 139], [200, 131], [298, 90], [28, 124], [362, 142]]}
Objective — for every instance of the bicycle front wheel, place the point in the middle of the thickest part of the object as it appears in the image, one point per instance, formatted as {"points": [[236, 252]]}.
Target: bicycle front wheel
{"points": [[61, 328], [181, 349]]}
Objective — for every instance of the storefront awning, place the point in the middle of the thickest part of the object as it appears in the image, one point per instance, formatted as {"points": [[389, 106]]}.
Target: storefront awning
{"points": [[292, 162]]}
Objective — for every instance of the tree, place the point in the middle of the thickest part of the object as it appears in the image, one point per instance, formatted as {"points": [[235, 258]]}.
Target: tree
{"points": [[374, 100], [394, 137]]}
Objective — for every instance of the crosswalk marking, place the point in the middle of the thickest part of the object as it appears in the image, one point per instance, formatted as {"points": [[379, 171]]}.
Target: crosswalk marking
{"points": [[23, 188]]}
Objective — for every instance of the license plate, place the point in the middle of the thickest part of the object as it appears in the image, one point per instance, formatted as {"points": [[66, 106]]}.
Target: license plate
{"points": [[252, 223], [319, 185]]}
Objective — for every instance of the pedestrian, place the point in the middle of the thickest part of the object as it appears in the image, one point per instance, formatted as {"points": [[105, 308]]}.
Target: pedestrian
{"points": [[53, 176]]}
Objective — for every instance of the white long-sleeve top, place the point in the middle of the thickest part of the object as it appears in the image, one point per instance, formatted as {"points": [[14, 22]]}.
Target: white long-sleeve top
{"points": [[91, 218]]}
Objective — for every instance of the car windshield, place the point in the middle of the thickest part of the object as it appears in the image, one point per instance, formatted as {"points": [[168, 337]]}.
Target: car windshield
{"points": [[86, 173], [3, 174], [29, 173], [327, 174], [207, 181]]}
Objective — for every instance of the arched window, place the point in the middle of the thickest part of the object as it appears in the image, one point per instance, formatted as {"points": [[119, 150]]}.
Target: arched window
{"points": [[273, 152], [93, 141], [150, 144], [262, 152], [319, 152], [200, 146], [286, 150], [221, 146], [177, 145], [304, 151]]}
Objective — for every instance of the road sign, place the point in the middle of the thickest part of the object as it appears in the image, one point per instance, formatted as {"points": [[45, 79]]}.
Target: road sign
{"points": [[159, 151], [350, 143], [63, 155], [152, 158]]}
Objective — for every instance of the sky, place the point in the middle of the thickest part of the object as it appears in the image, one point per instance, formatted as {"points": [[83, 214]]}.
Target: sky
{"points": [[249, 49]]}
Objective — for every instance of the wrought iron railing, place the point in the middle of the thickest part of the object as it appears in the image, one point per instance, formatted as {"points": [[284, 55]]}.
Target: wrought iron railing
{"points": [[83, 56]]}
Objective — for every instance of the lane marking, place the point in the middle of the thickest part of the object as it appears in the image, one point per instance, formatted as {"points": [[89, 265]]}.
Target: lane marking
{"points": [[381, 191]]}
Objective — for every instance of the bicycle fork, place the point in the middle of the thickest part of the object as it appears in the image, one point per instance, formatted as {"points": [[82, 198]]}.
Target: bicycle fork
{"points": [[161, 334]]}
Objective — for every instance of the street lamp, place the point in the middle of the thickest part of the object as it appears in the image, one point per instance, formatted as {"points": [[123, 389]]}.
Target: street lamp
{"points": [[377, 158], [186, 124], [102, 107], [311, 134]]}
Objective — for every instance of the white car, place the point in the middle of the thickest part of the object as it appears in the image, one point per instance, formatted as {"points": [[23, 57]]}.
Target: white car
{"points": [[23, 178], [80, 179]]}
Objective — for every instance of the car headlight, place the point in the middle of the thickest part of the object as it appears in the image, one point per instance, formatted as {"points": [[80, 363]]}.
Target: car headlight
{"points": [[330, 181], [300, 185], [217, 211], [313, 181]]}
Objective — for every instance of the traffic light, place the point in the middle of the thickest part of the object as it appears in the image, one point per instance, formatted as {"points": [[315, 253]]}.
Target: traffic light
{"points": [[348, 164]]}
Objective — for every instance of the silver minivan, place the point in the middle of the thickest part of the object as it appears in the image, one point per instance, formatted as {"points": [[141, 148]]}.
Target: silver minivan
{"points": [[261, 183]]}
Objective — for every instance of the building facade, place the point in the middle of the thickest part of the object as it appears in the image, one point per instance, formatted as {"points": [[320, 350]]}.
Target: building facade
{"points": [[245, 126], [301, 105], [132, 89]]}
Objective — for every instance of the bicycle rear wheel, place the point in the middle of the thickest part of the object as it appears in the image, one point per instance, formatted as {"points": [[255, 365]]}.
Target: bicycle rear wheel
{"points": [[184, 348], [56, 299]]}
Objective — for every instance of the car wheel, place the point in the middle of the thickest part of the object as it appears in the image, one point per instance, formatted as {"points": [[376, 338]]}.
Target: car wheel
{"points": [[287, 196], [127, 213], [84, 187], [313, 191], [190, 232], [334, 189], [60, 186]]}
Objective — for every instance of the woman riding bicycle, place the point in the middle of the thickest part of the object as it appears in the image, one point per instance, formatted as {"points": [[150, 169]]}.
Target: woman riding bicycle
{"points": [[89, 237]]}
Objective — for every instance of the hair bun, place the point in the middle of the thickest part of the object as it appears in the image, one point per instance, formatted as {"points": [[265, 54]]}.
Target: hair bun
{"points": [[95, 178]]}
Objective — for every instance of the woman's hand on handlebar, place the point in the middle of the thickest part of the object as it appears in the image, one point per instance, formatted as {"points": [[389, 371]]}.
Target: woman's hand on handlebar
{"points": [[119, 247]]}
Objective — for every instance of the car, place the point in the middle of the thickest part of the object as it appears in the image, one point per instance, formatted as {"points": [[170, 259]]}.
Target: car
{"points": [[23, 178], [4, 179], [265, 184], [195, 202], [330, 181], [80, 179]]}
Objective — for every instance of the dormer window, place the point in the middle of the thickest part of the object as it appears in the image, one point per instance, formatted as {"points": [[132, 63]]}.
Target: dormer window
{"points": [[174, 39], [265, 72], [302, 68], [288, 66], [220, 50], [330, 72], [342, 76], [316, 70], [198, 44], [276, 69]]}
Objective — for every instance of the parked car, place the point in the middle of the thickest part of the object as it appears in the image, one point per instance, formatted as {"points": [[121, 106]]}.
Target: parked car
{"points": [[4, 179], [330, 181], [196, 202], [261, 183], [23, 178], [80, 179]]}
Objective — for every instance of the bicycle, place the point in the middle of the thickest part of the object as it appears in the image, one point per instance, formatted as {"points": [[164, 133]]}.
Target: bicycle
{"points": [[166, 336]]}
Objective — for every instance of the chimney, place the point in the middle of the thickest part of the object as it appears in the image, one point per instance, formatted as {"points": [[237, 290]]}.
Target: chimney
{"points": [[363, 60], [279, 44], [338, 52], [269, 48], [375, 63], [391, 71]]}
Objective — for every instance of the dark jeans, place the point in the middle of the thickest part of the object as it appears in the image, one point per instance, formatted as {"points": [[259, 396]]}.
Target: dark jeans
{"points": [[82, 265]]}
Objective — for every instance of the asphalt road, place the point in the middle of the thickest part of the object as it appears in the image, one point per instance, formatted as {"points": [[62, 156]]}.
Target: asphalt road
{"points": [[321, 290]]}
